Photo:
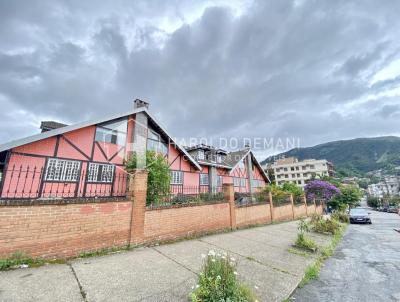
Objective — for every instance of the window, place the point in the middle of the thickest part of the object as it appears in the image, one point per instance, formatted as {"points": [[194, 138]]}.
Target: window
{"points": [[243, 182], [297, 168], [113, 132], [284, 169], [293, 175], [219, 180], [292, 169], [200, 154], [203, 179], [100, 173], [236, 182], [62, 170], [219, 158], [155, 143], [176, 177]]}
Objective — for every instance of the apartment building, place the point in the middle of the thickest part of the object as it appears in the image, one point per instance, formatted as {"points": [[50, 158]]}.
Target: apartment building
{"points": [[292, 170], [389, 185]]}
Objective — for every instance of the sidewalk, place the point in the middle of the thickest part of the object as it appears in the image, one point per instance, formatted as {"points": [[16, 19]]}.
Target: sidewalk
{"points": [[167, 272]]}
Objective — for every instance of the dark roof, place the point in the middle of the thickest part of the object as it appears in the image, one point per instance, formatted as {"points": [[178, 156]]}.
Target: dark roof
{"points": [[232, 158], [50, 125]]}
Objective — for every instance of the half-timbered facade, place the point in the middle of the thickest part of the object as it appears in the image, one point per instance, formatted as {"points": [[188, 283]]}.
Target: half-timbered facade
{"points": [[87, 160]]}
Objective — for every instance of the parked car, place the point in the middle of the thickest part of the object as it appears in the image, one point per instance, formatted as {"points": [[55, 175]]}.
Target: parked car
{"points": [[359, 215], [393, 209]]}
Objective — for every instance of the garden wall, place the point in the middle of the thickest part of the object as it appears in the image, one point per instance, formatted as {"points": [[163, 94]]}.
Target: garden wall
{"points": [[67, 227], [310, 209], [282, 213], [172, 223], [63, 230], [300, 211], [252, 215]]}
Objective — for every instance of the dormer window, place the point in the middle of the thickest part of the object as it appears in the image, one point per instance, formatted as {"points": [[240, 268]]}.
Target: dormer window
{"points": [[200, 154], [219, 158]]}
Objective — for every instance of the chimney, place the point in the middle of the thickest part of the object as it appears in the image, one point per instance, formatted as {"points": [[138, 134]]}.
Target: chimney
{"points": [[139, 103], [50, 125]]}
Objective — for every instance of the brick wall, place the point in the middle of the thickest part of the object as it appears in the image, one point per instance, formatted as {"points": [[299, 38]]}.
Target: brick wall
{"points": [[251, 215], [310, 209], [164, 224], [63, 230], [283, 213], [299, 211]]}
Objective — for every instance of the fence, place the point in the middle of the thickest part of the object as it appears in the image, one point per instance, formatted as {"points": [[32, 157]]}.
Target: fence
{"points": [[185, 195], [245, 199], [30, 183], [298, 200], [281, 199]]}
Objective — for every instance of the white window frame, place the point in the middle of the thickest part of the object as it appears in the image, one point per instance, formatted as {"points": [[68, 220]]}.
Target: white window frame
{"points": [[62, 170], [200, 154], [243, 182], [176, 177], [107, 173], [203, 177], [219, 158], [220, 180], [236, 181]]}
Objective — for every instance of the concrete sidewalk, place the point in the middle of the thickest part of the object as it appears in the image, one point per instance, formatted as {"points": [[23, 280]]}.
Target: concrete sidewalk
{"points": [[167, 272]]}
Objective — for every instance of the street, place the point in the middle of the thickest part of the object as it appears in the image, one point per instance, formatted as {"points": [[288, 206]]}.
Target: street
{"points": [[365, 266]]}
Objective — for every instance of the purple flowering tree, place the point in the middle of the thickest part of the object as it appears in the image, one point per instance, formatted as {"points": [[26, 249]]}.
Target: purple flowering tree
{"points": [[320, 189]]}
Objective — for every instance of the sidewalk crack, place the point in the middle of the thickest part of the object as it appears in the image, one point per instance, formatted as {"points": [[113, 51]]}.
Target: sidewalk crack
{"points": [[81, 290], [172, 259], [252, 259]]}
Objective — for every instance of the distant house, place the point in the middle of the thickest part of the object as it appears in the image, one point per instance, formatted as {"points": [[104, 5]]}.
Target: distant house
{"points": [[298, 172], [87, 159]]}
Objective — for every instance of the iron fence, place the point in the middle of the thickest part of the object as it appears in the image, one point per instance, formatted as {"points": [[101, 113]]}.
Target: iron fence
{"points": [[298, 200], [179, 195], [26, 182], [281, 199], [245, 199]]}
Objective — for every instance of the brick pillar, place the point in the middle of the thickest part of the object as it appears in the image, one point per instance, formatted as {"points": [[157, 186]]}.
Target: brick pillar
{"points": [[305, 203], [315, 206], [137, 192], [271, 206], [291, 201], [229, 196]]}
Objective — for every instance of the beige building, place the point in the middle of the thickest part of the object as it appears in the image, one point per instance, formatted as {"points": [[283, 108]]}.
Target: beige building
{"points": [[292, 170]]}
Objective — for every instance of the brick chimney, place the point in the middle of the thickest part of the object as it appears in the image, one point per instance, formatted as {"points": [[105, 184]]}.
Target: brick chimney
{"points": [[139, 103]]}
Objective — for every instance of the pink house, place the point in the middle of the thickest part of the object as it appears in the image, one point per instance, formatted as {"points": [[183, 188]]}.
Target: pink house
{"points": [[87, 160]]}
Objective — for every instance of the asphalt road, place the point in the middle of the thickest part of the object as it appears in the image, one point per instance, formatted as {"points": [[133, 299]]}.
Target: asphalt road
{"points": [[365, 266]]}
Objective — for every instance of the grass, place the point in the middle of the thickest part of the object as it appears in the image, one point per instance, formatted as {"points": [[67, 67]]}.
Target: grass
{"points": [[312, 271], [218, 281], [299, 252], [306, 243], [18, 258]]}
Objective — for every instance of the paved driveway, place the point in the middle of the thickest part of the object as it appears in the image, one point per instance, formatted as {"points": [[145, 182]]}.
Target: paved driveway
{"points": [[365, 267], [167, 272]]}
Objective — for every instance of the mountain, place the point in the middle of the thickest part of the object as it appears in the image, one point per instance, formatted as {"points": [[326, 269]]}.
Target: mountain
{"points": [[352, 157]]}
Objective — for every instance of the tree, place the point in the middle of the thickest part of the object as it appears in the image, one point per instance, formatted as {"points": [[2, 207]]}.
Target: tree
{"points": [[373, 202], [349, 195], [320, 189], [159, 177], [292, 189]]}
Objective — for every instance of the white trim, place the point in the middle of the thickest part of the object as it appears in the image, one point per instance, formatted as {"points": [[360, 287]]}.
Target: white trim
{"points": [[59, 131]]}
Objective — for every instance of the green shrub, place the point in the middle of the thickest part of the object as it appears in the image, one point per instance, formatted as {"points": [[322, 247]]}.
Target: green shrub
{"points": [[305, 243], [322, 225], [302, 241], [218, 282], [341, 217], [158, 179], [17, 259]]}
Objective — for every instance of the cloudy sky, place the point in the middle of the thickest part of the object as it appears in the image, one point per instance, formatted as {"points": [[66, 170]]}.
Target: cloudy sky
{"points": [[314, 70]]}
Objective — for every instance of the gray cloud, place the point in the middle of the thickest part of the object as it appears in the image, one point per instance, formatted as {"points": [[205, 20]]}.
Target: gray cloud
{"points": [[277, 69]]}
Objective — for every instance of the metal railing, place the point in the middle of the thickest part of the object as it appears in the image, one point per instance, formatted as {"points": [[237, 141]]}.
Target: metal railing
{"points": [[179, 195], [26, 182], [245, 199]]}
